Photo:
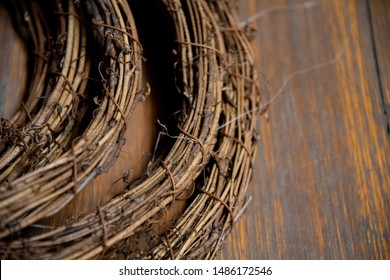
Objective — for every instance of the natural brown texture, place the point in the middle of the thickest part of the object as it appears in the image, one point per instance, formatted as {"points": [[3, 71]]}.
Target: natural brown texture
{"points": [[208, 167], [11, 79], [321, 179], [321, 187], [65, 132]]}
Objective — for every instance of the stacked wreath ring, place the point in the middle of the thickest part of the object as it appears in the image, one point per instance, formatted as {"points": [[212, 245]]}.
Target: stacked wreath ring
{"points": [[70, 130]]}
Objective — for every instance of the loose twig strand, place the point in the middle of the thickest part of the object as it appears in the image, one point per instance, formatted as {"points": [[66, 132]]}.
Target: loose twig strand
{"points": [[212, 154]]}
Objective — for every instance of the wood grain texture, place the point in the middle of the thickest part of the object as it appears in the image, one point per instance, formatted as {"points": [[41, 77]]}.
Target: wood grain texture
{"points": [[321, 186], [321, 189], [13, 57], [380, 24]]}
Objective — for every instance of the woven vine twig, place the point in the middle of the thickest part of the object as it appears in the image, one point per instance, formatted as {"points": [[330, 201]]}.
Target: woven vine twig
{"points": [[47, 164], [211, 157]]}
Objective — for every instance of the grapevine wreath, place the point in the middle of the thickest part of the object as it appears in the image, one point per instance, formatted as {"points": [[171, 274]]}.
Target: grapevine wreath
{"points": [[70, 129]]}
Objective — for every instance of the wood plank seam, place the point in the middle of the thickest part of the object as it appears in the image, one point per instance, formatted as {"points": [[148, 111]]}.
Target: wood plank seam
{"points": [[386, 107]]}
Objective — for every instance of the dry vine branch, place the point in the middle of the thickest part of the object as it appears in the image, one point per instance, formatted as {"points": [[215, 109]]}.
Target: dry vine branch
{"points": [[217, 78], [49, 164]]}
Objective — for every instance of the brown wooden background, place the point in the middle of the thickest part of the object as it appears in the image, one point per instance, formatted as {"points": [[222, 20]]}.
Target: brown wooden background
{"points": [[321, 188]]}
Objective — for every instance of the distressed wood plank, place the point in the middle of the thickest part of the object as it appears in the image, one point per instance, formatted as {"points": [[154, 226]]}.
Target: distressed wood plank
{"points": [[321, 188], [380, 22], [13, 59]]}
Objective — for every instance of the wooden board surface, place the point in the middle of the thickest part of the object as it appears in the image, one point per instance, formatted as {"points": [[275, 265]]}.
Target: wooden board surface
{"points": [[13, 57], [321, 188]]}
